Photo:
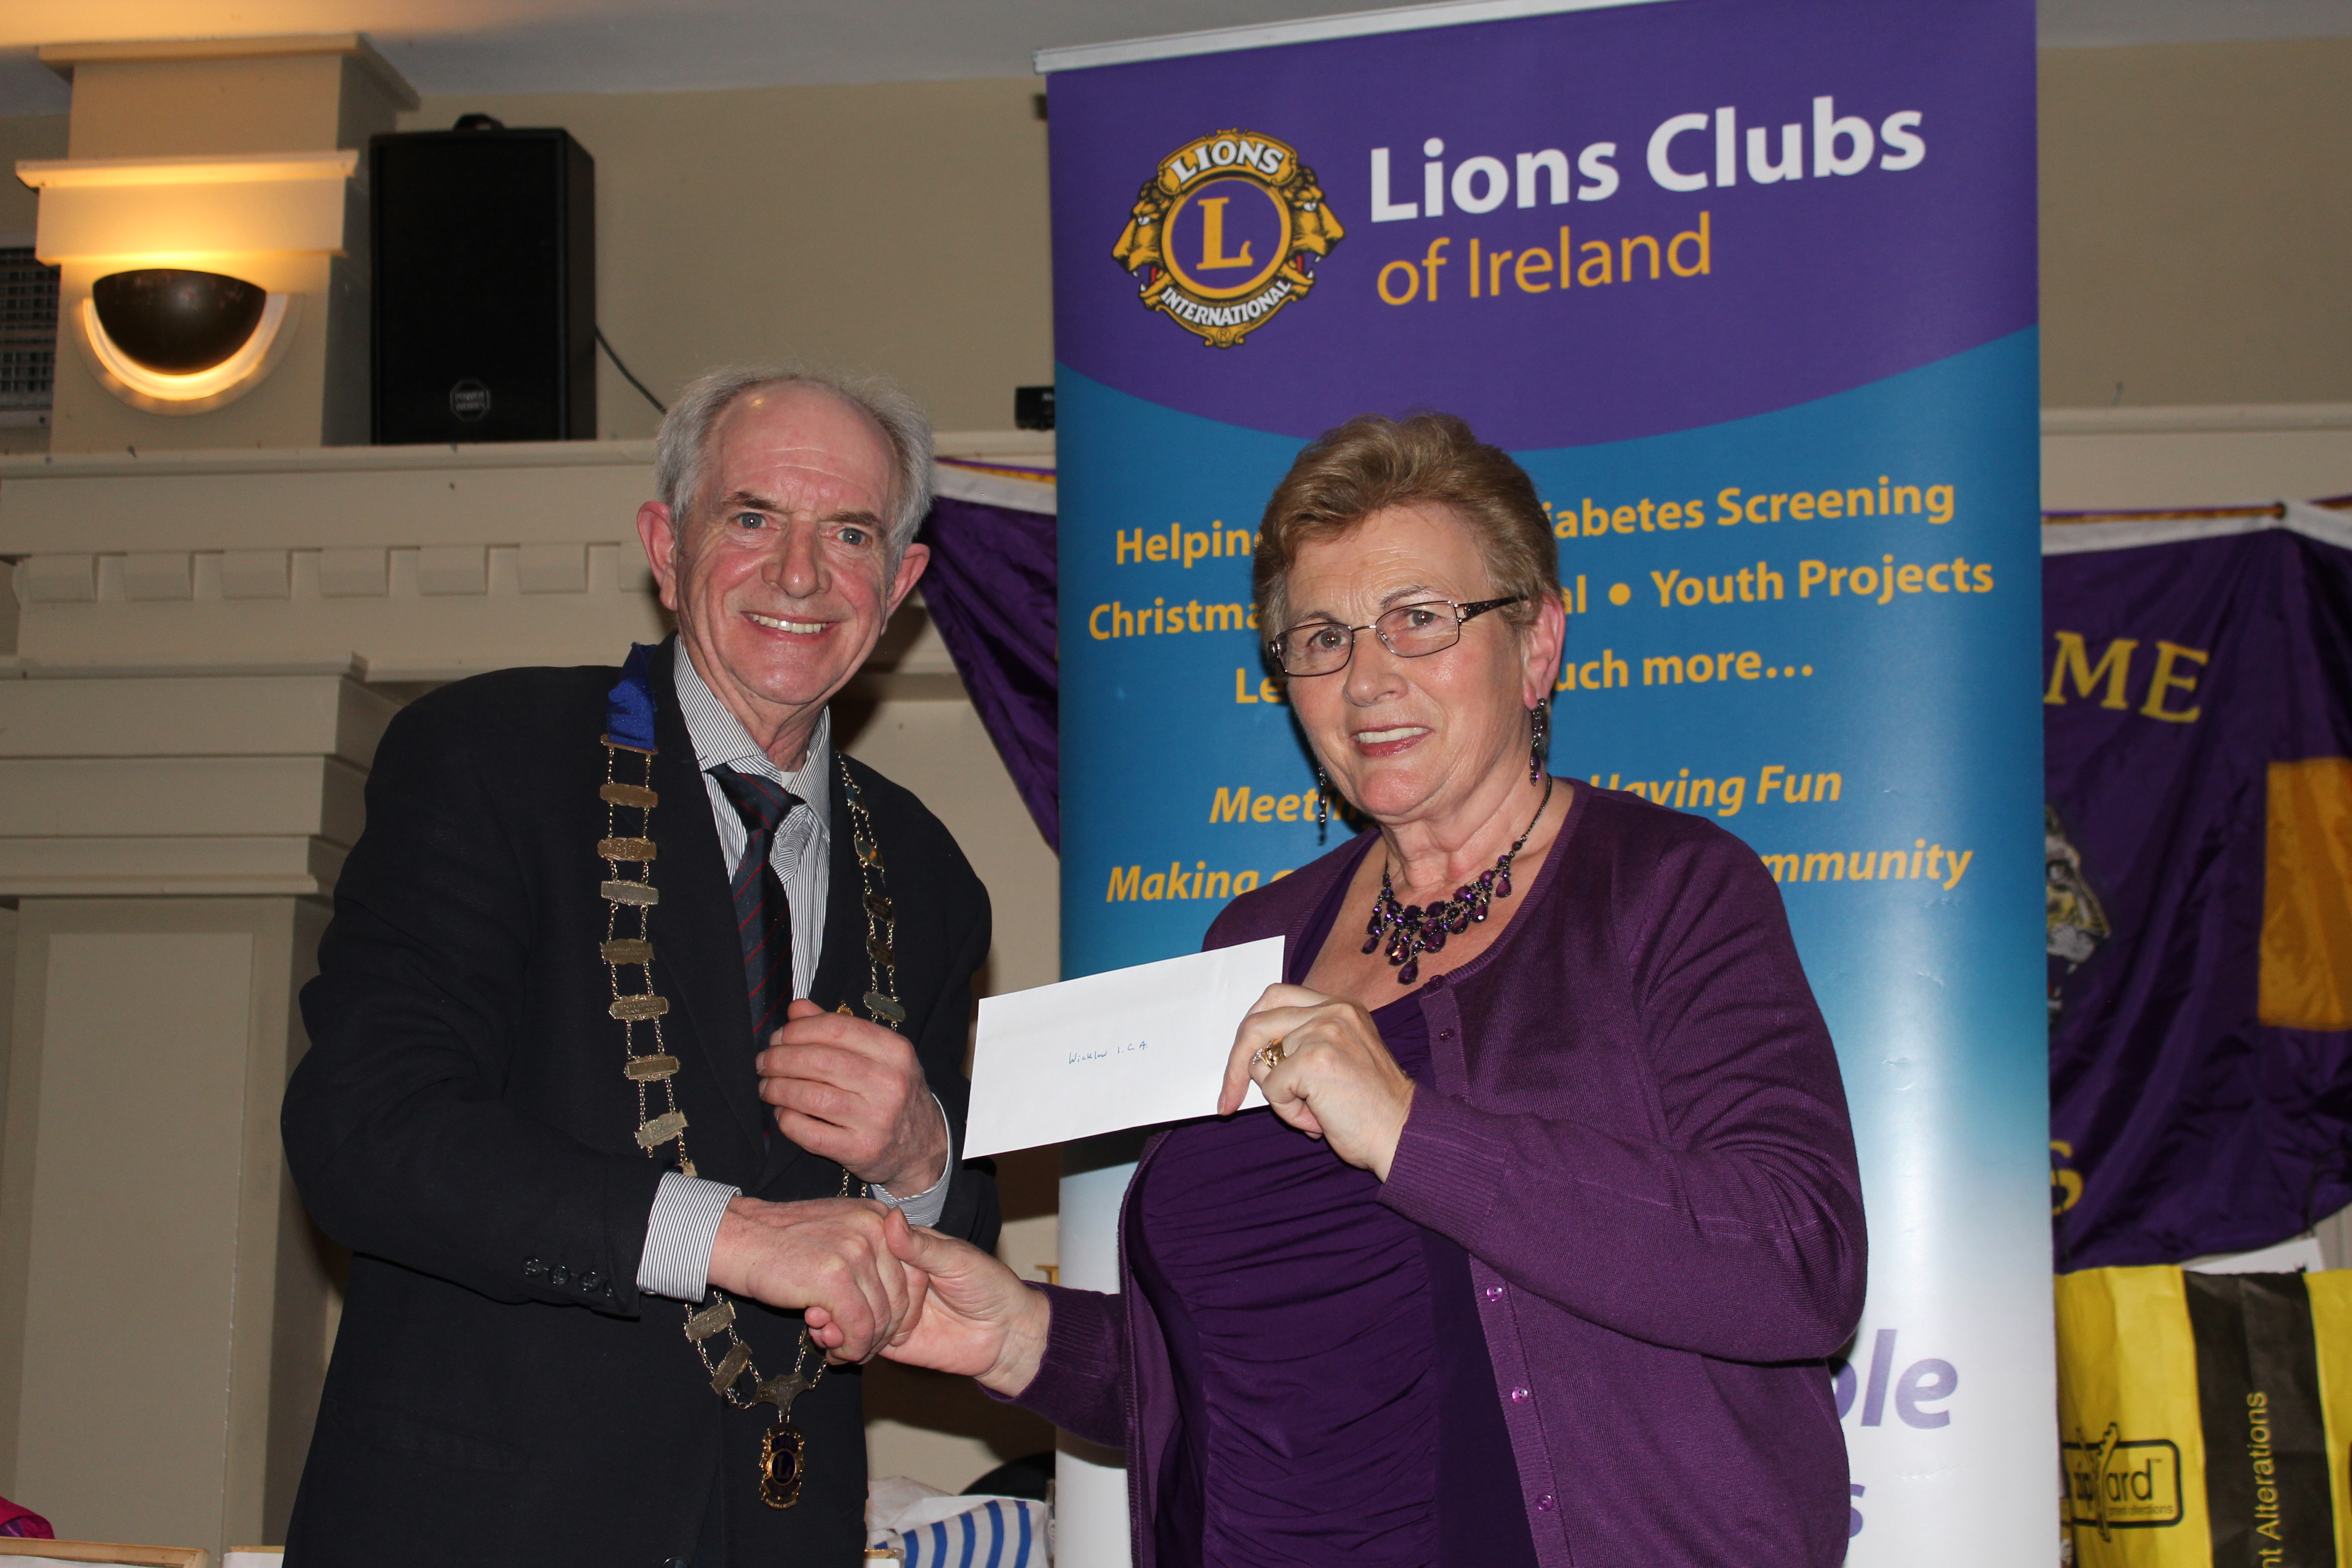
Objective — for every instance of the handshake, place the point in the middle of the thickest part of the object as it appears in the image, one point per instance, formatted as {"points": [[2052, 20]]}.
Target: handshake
{"points": [[868, 1284], [864, 1281]]}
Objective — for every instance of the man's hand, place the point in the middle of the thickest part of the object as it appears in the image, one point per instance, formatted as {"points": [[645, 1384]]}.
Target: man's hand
{"points": [[981, 1319], [851, 1091], [833, 1259]]}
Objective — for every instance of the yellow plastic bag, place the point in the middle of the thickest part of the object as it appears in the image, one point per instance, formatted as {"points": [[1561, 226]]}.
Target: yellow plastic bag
{"points": [[2206, 1420]]}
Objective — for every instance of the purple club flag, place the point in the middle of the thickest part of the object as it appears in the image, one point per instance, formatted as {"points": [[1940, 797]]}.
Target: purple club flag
{"points": [[2199, 720]]}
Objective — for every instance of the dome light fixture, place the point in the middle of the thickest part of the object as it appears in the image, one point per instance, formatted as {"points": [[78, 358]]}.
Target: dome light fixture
{"points": [[176, 251], [174, 320], [176, 341]]}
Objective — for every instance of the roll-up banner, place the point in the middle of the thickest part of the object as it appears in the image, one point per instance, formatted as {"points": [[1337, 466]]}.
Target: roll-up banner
{"points": [[1748, 287]]}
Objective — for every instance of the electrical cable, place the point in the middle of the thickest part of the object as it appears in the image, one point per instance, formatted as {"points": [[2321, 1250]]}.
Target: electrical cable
{"points": [[604, 343]]}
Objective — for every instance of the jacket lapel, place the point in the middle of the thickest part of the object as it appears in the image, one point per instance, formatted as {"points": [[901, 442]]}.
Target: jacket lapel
{"points": [[694, 928], [841, 968]]}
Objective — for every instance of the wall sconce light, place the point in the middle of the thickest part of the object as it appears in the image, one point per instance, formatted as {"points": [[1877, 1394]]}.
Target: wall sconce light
{"points": [[176, 341], [164, 326]]}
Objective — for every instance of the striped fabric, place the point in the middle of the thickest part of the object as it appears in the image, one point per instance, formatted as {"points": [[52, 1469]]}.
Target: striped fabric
{"points": [[1004, 1533], [762, 917]]}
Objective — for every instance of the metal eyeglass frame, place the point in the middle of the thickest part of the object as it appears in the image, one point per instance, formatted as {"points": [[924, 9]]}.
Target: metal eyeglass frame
{"points": [[1462, 615]]}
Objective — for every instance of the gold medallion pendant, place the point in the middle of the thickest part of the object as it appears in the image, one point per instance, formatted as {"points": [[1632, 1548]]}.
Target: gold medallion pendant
{"points": [[781, 1447]]}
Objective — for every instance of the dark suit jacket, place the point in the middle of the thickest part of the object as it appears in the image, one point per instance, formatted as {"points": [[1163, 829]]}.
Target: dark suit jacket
{"points": [[500, 1391]]}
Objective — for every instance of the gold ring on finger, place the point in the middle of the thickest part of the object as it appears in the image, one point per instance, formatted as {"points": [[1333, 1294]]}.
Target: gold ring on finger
{"points": [[1270, 1055]]}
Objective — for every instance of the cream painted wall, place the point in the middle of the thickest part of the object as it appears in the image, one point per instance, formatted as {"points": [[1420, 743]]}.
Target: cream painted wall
{"points": [[899, 228], [156, 1275], [160, 1312], [25, 136], [2196, 224]]}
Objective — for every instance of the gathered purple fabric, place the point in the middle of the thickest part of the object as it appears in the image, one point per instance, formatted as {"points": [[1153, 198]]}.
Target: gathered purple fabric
{"points": [[990, 588], [1640, 1139], [1336, 1406]]}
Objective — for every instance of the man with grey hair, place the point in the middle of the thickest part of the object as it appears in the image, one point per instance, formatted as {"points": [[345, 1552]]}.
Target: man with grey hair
{"points": [[599, 919]]}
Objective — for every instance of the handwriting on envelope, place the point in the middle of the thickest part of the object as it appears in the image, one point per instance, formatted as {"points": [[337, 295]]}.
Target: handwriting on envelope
{"points": [[1128, 1047]]}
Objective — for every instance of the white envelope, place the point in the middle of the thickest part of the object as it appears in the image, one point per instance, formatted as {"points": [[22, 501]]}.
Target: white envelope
{"points": [[1128, 1047]]}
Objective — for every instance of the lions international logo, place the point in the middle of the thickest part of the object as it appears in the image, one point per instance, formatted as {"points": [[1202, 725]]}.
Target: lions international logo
{"points": [[1224, 235]]}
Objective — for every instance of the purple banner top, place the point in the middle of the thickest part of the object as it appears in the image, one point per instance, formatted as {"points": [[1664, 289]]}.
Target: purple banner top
{"points": [[1780, 200]]}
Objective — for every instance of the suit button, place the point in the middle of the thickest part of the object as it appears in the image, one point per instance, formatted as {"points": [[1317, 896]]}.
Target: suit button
{"points": [[1494, 1292], [591, 1280], [1544, 1504], [1520, 1395], [559, 1275], [532, 1267]]}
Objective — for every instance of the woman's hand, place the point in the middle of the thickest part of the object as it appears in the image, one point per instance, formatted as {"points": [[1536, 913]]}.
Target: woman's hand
{"points": [[979, 1320], [1336, 1080]]}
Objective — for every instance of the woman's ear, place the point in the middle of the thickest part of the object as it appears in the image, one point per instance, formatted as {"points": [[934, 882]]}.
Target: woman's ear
{"points": [[1544, 641]]}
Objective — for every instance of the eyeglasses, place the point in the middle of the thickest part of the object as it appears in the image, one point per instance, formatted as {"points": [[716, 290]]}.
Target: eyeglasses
{"points": [[1408, 631]]}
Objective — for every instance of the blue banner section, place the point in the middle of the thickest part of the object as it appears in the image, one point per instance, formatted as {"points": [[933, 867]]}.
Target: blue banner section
{"points": [[1779, 398]]}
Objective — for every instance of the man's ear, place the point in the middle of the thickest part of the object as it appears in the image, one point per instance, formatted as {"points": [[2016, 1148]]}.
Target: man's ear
{"points": [[659, 536], [910, 571]]}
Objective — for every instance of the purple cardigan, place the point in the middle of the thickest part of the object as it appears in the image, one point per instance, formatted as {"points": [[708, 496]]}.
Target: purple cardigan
{"points": [[1641, 1139]]}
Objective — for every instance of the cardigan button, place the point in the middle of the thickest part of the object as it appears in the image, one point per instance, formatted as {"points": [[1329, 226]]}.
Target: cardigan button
{"points": [[1544, 1504], [1520, 1395], [1494, 1292]]}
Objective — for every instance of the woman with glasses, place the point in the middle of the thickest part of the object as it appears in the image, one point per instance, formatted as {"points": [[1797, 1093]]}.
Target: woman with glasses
{"points": [[1539, 1254]]}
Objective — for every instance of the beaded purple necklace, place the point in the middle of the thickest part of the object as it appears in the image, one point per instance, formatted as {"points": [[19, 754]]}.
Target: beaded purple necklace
{"points": [[1413, 931]]}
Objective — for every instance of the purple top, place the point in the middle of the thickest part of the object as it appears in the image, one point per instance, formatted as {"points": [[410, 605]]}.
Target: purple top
{"points": [[1337, 1405], [1640, 1139]]}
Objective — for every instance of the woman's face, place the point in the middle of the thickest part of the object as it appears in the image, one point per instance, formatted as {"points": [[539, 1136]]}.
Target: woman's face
{"points": [[1408, 738]]}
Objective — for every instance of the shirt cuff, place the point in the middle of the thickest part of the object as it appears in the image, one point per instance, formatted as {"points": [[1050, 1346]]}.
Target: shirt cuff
{"points": [[924, 1207], [679, 1234]]}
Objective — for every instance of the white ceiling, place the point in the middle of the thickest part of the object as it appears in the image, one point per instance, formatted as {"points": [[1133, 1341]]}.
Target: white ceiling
{"points": [[448, 47]]}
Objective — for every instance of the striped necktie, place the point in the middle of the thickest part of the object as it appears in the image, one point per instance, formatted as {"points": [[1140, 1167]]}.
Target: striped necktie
{"points": [[762, 917]]}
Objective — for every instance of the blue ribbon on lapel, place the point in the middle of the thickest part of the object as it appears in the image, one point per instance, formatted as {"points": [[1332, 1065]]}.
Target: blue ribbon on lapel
{"points": [[629, 706]]}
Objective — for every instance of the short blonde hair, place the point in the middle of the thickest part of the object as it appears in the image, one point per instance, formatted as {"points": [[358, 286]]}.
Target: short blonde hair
{"points": [[1374, 463]]}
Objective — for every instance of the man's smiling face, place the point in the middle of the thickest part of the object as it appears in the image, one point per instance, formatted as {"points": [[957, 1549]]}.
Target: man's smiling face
{"points": [[781, 580]]}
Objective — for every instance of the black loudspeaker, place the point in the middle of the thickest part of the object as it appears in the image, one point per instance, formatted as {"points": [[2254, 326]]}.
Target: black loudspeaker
{"points": [[484, 316]]}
